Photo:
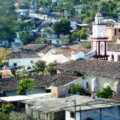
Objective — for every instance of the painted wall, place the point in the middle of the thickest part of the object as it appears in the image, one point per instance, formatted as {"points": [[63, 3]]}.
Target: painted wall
{"points": [[115, 54], [68, 117], [110, 113], [40, 16], [22, 61], [101, 82], [36, 90], [77, 56]]}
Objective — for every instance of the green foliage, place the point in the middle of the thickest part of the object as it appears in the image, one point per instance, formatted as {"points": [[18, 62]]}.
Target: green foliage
{"points": [[22, 74], [26, 84], [77, 88], [75, 35], [65, 39], [40, 73], [4, 116], [87, 45], [25, 37], [50, 68], [87, 20], [64, 26], [71, 12], [105, 93], [83, 33], [39, 66], [6, 108]]}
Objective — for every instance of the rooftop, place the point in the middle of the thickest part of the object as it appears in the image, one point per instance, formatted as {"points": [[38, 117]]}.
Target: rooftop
{"points": [[22, 54], [112, 46], [9, 84], [92, 66], [59, 104], [33, 47]]}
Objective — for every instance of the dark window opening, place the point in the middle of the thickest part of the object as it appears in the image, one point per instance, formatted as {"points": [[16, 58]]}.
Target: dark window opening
{"points": [[31, 61], [112, 57], [115, 32], [15, 64], [119, 30], [118, 57], [72, 114]]}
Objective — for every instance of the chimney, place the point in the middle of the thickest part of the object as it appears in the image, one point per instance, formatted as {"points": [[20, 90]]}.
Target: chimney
{"points": [[59, 91]]}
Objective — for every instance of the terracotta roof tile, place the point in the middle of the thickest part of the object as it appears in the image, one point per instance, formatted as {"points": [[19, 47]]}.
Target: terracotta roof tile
{"points": [[41, 81], [92, 66]]}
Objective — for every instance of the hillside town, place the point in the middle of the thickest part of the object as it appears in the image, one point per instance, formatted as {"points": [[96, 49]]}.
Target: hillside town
{"points": [[60, 60]]}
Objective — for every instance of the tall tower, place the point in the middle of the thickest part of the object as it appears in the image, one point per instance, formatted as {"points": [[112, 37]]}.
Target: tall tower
{"points": [[99, 38]]}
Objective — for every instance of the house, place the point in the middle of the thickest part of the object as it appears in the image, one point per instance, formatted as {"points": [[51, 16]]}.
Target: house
{"points": [[3, 43], [73, 107], [78, 9], [22, 58], [55, 38], [114, 51], [74, 22], [32, 47], [113, 32], [55, 1], [98, 73], [43, 83], [45, 10]]}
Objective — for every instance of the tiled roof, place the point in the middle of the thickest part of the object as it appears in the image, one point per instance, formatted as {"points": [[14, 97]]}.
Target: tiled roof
{"points": [[23, 54], [38, 21], [41, 81], [33, 47], [92, 66], [112, 46]]}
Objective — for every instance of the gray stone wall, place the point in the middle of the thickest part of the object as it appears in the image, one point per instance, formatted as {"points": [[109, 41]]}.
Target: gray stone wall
{"points": [[102, 81], [110, 113]]}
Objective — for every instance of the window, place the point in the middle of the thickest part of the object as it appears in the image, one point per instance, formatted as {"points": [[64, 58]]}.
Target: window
{"points": [[115, 31], [119, 30], [31, 61], [72, 114], [112, 57], [15, 64], [118, 57]]}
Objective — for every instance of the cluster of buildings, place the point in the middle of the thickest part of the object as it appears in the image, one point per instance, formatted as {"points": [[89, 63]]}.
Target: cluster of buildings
{"points": [[94, 69]]}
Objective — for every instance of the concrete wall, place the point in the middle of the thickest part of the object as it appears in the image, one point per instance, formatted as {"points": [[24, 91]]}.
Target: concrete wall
{"points": [[110, 113], [102, 82], [77, 56], [22, 61], [68, 117], [115, 54]]}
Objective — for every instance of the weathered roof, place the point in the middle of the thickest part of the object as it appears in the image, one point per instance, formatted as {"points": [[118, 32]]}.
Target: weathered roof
{"points": [[22, 54], [33, 47], [112, 46], [93, 66], [39, 21], [41, 81], [49, 104]]}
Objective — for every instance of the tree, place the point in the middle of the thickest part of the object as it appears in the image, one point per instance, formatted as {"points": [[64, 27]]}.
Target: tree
{"points": [[39, 66], [26, 85], [64, 26], [50, 68], [76, 88], [88, 45], [87, 20], [105, 93], [65, 39], [26, 38], [83, 33], [4, 55], [6, 108]]}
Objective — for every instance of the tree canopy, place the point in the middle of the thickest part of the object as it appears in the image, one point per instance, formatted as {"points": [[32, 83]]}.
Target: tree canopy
{"points": [[40, 66], [62, 26], [26, 85], [76, 88], [105, 93]]}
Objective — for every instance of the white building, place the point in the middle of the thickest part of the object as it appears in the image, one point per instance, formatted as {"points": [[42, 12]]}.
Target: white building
{"points": [[99, 38], [22, 58]]}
